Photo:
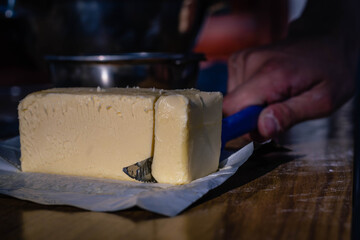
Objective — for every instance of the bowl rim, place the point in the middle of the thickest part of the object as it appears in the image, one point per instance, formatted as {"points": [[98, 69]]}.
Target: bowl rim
{"points": [[177, 58]]}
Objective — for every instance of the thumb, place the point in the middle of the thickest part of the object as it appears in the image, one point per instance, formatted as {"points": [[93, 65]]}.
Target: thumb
{"points": [[270, 121], [280, 116]]}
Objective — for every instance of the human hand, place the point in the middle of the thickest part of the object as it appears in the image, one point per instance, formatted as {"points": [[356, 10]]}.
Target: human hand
{"points": [[297, 81]]}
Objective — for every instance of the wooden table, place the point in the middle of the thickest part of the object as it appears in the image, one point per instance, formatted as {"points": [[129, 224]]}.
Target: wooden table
{"points": [[304, 193]]}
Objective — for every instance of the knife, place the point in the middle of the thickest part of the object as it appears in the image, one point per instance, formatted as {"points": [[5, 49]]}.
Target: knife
{"points": [[233, 126]]}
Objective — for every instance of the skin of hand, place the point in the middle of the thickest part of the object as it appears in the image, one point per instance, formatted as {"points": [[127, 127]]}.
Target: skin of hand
{"points": [[296, 80]]}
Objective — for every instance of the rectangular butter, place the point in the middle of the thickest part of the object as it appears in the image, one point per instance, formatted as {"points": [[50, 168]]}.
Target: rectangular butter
{"points": [[97, 132], [187, 136], [85, 132]]}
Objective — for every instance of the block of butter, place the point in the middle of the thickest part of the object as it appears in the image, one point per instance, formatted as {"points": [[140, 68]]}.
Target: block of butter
{"points": [[187, 136], [96, 132]]}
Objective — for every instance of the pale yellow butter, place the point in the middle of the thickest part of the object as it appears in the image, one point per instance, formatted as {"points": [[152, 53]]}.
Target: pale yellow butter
{"points": [[86, 132], [187, 136], [97, 132]]}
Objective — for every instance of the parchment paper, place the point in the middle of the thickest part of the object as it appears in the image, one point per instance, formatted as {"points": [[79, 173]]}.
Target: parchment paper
{"points": [[108, 195]]}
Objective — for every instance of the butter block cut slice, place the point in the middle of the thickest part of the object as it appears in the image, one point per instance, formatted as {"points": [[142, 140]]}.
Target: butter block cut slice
{"points": [[86, 131], [187, 135]]}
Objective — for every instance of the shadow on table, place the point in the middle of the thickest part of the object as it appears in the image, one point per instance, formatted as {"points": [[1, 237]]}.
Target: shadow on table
{"points": [[264, 160]]}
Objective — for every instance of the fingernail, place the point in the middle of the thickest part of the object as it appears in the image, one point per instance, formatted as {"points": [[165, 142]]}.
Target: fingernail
{"points": [[271, 125]]}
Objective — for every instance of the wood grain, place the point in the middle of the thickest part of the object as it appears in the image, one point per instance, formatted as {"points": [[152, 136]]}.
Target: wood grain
{"points": [[304, 193]]}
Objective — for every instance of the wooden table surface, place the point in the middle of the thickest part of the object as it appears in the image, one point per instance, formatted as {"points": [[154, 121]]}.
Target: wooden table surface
{"points": [[304, 193]]}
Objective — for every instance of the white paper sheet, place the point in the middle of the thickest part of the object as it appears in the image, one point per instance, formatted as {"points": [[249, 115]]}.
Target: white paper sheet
{"points": [[107, 195]]}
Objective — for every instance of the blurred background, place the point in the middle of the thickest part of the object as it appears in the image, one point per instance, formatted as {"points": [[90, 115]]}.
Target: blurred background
{"points": [[108, 43]]}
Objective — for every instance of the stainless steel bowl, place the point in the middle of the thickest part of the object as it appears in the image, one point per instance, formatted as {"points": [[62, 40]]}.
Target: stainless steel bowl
{"points": [[143, 69]]}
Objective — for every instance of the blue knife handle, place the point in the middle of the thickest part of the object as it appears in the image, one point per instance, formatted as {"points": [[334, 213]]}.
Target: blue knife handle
{"points": [[240, 123]]}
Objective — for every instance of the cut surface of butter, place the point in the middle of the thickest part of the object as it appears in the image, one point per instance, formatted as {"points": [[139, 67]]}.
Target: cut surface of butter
{"points": [[187, 136], [97, 132], [86, 132]]}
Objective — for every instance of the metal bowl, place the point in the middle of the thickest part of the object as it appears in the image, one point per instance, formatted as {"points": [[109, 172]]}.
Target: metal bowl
{"points": [[143, 69]]}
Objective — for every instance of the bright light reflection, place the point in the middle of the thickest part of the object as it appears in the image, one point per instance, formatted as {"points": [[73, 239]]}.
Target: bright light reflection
{"points": [[105, 76]]}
